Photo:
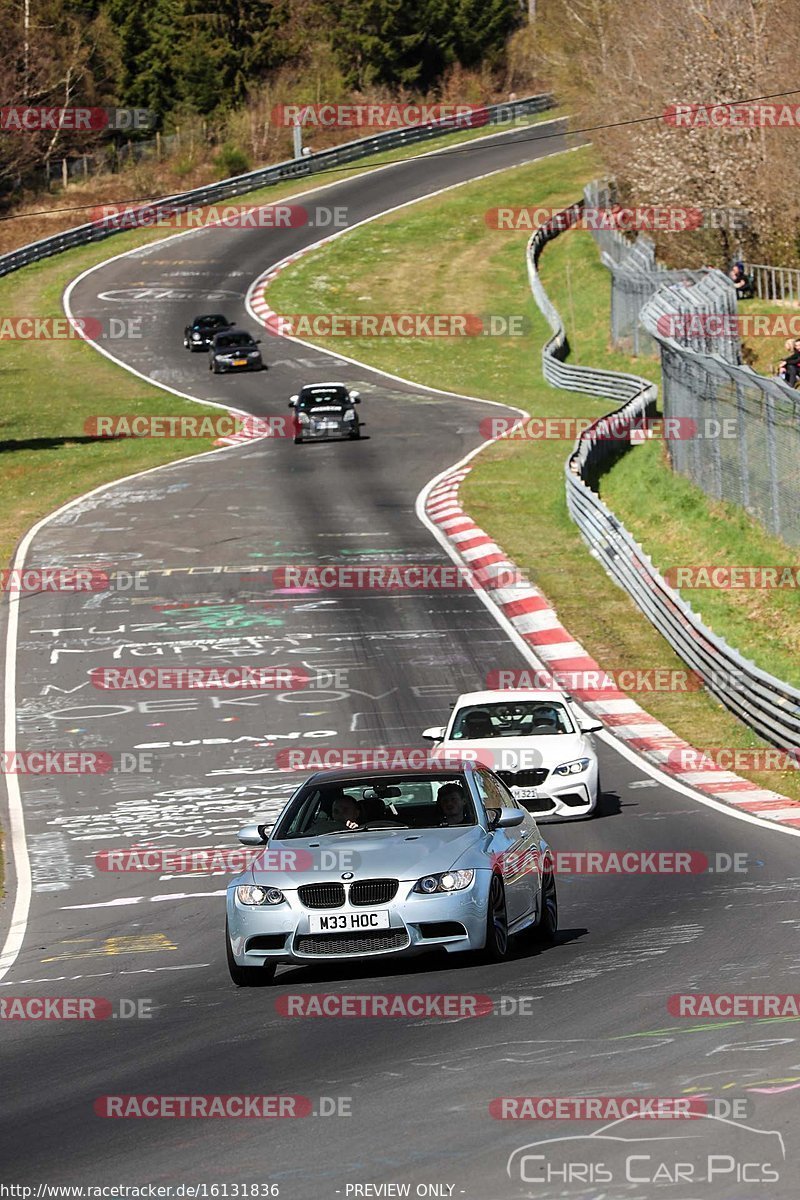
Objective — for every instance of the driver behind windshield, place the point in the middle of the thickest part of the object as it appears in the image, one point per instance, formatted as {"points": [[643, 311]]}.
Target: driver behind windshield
{"points": [[345, 812], [452, 804]]}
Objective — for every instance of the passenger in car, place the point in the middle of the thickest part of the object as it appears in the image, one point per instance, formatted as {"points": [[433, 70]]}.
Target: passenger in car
{"points": [[452, 804], [478, 724]]}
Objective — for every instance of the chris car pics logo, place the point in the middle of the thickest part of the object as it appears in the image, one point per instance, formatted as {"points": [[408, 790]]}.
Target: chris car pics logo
{"points": [[711, 1150]]}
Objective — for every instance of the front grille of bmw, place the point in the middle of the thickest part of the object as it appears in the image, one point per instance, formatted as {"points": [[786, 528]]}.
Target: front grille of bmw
{"points": [[321, 895], [532, 778], [373, 891], [362, 892], [377, 942]]}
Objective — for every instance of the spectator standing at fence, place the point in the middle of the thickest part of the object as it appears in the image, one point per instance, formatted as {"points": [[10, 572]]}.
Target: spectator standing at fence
{"points": [[792, 365], [740, 281], [788, 346]]}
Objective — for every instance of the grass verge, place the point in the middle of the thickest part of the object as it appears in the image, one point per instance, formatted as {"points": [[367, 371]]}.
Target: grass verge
{"points": [[422, 258]]}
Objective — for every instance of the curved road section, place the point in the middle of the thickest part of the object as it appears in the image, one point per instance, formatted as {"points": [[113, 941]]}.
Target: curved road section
{"points": [[392, 1106]]}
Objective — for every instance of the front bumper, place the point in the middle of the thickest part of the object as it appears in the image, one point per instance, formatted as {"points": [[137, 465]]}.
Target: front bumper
{"points": [[313, 433], [223, 366], [453, 921], [570, 797]]}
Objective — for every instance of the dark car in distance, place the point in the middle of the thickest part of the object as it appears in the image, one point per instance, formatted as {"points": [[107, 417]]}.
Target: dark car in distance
{"points": [[203, 329], [235, 350]]}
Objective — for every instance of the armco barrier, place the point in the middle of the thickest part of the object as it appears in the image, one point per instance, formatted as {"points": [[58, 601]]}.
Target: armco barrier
{"points": [[296, 168], [766, 704]]}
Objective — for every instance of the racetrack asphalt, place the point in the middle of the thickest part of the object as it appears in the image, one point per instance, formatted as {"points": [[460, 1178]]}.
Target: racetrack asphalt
{"points": [[586, 1017]]}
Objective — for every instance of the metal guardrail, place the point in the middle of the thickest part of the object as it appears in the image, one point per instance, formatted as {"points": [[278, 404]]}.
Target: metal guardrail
{"points": [[775, 283], [770, 707], [82, 235]]}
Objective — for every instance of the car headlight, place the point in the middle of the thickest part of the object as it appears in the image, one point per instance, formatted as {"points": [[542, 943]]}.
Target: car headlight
{"points": [[572, 768], [250, 893], [448, 881], [302, 418], [349, 415], [253, 353]]}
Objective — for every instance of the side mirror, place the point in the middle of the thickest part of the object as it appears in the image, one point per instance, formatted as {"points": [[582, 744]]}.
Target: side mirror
{"points": [[591, 728], [355, 397], [257, 341], [293, 401], [253, 835], [508, 818], [434, 734]]}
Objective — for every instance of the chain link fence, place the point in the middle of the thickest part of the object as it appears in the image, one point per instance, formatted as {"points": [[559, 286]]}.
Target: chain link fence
{"points": [[763, 702], [746, 448], [636, 275], [746, 443]]}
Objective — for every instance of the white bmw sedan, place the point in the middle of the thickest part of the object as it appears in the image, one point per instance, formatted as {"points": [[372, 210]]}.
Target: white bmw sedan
{"points": [[535, 742]]}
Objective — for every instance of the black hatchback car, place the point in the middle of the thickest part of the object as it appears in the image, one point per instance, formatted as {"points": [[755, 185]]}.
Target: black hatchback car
{"points": [[324, 410], [202, 331], [235, 350]]}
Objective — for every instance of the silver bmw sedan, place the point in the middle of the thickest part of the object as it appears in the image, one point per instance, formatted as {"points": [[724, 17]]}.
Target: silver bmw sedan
{"points": [[373, 863]]}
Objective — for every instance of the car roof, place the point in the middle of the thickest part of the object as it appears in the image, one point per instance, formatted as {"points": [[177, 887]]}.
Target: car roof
{"points": [[323, 387], [504, 695], [344, 774], [209, 317]]}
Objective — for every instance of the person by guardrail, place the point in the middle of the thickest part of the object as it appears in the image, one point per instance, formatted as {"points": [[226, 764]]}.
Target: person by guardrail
{"points": [[744, 283]]}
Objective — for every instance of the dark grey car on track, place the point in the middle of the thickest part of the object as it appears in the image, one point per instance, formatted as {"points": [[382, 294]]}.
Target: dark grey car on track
{"points": [[203, 329], [235, 350]]}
